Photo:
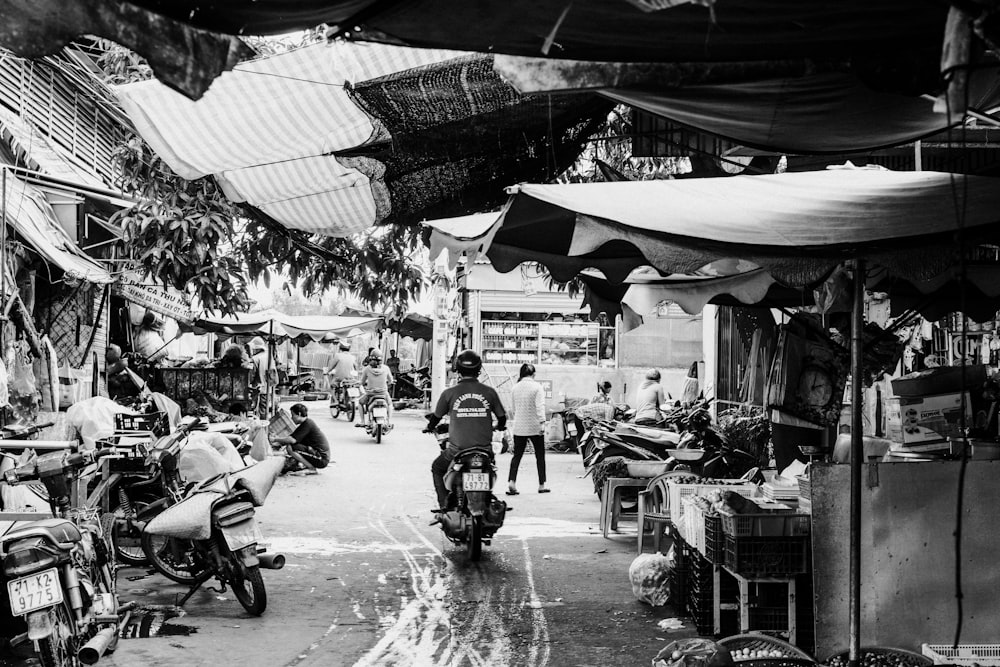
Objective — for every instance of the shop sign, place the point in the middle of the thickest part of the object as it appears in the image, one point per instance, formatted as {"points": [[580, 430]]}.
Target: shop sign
{"points": [[165, 301], [547, 386]]}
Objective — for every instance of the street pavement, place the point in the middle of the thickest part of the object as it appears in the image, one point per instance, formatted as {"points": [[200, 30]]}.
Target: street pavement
{"points": [[368, 582]]}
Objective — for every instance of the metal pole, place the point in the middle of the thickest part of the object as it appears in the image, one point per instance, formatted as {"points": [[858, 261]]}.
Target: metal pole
{"points": [[857, 461], [267, 375], [3, 250]]}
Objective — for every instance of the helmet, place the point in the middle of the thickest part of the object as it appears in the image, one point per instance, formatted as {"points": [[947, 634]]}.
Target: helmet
{"points": [[468, 363], [375, 356], [257, 343]]}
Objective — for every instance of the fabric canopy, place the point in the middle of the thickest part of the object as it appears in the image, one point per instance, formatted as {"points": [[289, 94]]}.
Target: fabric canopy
{"points": [[280, 325], [295, 110], [184, 57], [333, 138], [799, 112], [30, 217], [796, 226]]}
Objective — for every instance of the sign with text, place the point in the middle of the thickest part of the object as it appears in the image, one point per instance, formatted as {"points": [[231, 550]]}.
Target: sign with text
{"points": [[165, 301]]}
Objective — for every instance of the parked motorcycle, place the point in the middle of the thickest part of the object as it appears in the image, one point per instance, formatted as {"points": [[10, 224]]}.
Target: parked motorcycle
{"points": [[60, 572], [302, 383], [378, 423], [473, 514], [212, 532], [344, 399]]}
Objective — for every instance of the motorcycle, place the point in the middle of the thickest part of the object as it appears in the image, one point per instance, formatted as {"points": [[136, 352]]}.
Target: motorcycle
{"points": [[378, 423], [472, 514], [60, 572], [211, 531], [344, 399], [303, 383]]}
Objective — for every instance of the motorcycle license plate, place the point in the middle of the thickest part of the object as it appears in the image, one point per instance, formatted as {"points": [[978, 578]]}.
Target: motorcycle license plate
{"points": [[36, 591], [242, 535], [475, 481], [353, 392], [379, 412]]}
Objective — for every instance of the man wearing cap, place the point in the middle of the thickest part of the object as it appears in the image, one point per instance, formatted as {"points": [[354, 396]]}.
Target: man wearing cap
{"points": [[375, 380]]}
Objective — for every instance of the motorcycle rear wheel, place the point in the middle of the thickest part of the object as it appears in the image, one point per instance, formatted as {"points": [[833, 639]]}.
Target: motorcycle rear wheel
{"points": [[378, 433], [248, 586], [159, 550], [126, 553], [335, 408], [59, 648], [475, 544], [351, 412]]}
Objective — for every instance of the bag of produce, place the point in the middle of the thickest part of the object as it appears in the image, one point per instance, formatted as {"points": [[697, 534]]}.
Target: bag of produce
{"points": [[693, 652], [650, 577]]}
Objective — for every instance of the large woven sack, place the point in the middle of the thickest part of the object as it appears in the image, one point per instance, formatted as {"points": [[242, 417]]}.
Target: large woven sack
{"points": [[259, 478], [190, 519]]}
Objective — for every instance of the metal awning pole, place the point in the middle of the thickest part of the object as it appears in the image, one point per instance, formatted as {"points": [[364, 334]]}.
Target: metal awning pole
{"points": [[857, 460], [267, 375], [3, 249]]}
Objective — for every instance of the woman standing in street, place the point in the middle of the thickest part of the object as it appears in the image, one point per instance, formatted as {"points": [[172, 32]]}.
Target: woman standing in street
{"points": [[528, 399]]}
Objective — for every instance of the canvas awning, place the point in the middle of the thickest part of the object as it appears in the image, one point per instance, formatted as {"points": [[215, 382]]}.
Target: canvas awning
{"points": [[333, 138], [30, 217], [797, 226], [279, 325]]}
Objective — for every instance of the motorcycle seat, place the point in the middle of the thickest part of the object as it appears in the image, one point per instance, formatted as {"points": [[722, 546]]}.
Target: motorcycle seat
{"points": [[61, 532], [482, 451]]}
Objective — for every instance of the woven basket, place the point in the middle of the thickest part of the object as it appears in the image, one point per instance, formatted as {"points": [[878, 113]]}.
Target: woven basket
{"points": [[908, 658], [759, 642]]}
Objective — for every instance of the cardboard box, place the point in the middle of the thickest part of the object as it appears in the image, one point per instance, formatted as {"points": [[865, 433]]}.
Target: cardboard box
{"points": [[923, 419]]}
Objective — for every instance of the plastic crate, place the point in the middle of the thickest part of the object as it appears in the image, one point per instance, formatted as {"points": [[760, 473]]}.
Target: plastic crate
{"points": [[694, 524], [768, 619], [679, 491], [774, 524], [715, 545], [181, 384], [986, 655], [767, 555]]}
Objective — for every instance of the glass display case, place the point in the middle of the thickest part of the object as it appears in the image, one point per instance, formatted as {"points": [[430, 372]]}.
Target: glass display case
{"points": [[547, 343]]}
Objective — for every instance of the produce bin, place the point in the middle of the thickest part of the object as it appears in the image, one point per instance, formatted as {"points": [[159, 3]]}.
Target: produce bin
{"points": [[767, 556], [226, 385]]}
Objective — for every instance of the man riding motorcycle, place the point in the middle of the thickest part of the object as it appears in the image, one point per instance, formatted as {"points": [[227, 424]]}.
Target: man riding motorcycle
{"points": [[470, 406], [345, 365], [375, 381]]}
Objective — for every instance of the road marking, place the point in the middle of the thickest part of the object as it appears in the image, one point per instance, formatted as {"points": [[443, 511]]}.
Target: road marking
{"points": [[540, 628]]}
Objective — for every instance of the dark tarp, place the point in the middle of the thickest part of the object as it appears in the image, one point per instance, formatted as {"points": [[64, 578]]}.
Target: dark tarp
{"points": [[791, 108], [184, 57], [412, 325]]}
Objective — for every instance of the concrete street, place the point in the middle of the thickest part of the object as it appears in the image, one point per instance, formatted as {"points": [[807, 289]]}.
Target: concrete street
{"points": [[368, 582]]}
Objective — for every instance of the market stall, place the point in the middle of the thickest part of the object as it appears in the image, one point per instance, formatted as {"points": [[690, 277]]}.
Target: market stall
{"points": [[799, 228], [242, 379]]}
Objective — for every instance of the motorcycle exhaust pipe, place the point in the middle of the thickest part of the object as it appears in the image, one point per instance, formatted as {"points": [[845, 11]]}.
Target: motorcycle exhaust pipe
{"points": [[92, 651], [271, 561]]}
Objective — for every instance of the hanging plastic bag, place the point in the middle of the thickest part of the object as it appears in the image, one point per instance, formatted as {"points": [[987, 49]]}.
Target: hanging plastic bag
{"points": [[555, 431], [693, 652], [650, 577], [24, 396]]}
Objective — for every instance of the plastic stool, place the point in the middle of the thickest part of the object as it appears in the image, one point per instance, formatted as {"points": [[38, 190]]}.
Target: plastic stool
{"points": [[611, 499]]}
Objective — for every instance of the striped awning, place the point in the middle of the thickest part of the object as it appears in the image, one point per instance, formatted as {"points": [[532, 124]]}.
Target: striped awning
{"points": [[30, 217], [269, 129]]}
